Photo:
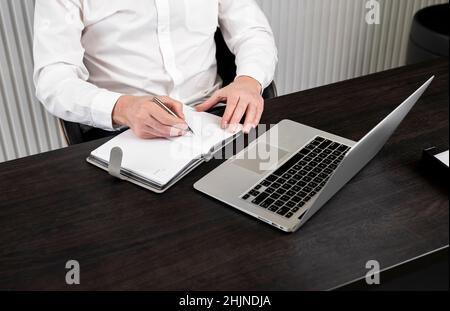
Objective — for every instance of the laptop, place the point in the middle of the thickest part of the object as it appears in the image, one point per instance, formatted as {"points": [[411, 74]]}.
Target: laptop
{"points": [[286, 175]]}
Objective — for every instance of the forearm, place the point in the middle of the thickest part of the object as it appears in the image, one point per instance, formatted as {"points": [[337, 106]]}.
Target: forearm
{"points": [[68, 97]]}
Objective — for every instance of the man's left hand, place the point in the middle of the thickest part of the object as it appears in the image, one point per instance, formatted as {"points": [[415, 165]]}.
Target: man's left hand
{"points": [[242, 97]]}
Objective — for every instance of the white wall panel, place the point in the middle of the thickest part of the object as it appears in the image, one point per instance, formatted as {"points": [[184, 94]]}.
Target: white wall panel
{"points": [[319, 41], [25, 127]]}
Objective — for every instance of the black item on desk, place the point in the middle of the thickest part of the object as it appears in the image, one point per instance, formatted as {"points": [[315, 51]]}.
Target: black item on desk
{"points": [[430, 161]]}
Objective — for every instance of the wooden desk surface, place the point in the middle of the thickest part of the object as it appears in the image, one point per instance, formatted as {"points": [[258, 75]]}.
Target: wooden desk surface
{"points": [[55, 207]]}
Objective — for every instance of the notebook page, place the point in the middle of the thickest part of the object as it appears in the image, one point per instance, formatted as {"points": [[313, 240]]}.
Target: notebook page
{"points": [[160, 160], [207, 132]]}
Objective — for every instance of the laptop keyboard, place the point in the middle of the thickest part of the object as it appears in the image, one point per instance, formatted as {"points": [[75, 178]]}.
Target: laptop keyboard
{"points": [[297, 181]]}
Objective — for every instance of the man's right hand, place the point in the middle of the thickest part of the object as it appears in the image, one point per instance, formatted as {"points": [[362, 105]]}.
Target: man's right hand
{"points": [[147, 119]]}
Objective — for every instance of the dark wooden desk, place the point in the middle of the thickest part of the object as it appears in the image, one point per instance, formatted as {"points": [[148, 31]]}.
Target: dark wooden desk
{"points": [[55, 207]]}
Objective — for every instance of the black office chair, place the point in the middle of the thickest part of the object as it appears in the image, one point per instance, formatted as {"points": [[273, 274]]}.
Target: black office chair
{"points": [[76, 133]]}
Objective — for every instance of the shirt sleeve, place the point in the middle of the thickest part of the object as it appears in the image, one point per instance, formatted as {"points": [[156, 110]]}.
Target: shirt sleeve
{"points": [[60, 76], [249, 36]]}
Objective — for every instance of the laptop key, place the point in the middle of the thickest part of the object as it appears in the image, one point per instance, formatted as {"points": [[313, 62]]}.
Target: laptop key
{"points": [[270, 190], [318, 180], [281, 181], [266, 183], [285, 198], [275, 196], [291, 193], [287, 176], [319, 139], [312, 174], [296, 199], [292, 181], [333, 146], [290, 204], [333, 166], [276, 185], [281, 191], [295, 209], [307, 189], [325, 144], [302, 194], [271, 178], [246, 197], [343, 148], [313, 155], [289, 215], [283, 211], [296, 188], [267, 203], [323, 175], [301, 183], [254, 193], [278, 203], [260, 198], [257, 187], [313, 184], [328, 171], [286, 186]]}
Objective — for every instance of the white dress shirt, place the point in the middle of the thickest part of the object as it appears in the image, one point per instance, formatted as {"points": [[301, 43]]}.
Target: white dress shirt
{"points": [[88, 53]]}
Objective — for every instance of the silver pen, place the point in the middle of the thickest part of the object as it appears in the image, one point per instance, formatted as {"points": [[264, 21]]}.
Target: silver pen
{"points": [[159, 102]]}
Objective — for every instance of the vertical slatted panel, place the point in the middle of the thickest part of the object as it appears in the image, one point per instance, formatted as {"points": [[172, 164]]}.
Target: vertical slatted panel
{"points": [[319, 41], [325, 41], [25, 127]]}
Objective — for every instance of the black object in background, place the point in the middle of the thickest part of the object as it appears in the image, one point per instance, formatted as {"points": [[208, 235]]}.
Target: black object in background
{"points": [[429, 34], [430, 158]]}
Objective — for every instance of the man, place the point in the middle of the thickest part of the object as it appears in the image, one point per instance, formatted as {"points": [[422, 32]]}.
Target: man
{"points": [[101, 62]]}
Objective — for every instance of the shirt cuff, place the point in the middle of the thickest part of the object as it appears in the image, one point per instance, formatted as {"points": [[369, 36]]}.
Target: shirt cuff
{"points": [[102, 108], [254, 71]]}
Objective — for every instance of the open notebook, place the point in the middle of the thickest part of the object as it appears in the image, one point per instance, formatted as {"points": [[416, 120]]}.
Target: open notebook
{"points": [[158, 164]]}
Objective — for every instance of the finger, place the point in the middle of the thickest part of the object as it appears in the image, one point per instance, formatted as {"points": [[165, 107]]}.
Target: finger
{"points": [[166, 118], [216, 98], [163, 130], [250, 118], [232, 103], [259, 112], [145, 133], [237, 115], [173, 105]]}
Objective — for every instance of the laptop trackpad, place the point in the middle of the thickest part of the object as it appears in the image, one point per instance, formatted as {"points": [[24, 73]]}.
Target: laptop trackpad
{"points": [[261, 158]]}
